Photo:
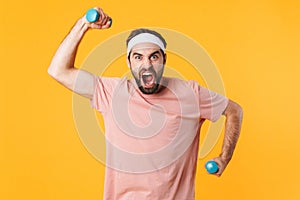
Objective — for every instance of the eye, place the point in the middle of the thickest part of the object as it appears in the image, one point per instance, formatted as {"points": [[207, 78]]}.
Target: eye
{"points": [[154, 57], [137, 57]]}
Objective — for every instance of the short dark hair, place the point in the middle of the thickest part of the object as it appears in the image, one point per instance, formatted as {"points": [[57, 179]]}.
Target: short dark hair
{"points": [[144, 30]]}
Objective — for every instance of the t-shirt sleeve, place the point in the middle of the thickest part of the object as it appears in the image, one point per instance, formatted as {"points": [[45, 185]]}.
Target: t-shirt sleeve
{"points": [[212, 104], [103, 92]]}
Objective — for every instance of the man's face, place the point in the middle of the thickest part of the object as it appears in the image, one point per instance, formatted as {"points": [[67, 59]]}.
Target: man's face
{"points": [[147, 65]]}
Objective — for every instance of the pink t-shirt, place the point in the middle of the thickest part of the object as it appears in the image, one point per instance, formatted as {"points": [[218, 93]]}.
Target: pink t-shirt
{"points": [[152, 140]]}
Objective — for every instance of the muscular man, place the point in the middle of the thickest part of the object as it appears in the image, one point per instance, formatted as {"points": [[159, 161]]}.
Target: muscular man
{"points": [[155, 157]]}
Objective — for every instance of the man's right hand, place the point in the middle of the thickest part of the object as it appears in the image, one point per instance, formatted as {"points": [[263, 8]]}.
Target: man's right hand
{"points": [[103, 22]]}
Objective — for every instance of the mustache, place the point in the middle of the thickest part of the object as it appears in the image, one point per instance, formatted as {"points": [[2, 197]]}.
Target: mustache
{"points": [[141, 73], [144, 69]]}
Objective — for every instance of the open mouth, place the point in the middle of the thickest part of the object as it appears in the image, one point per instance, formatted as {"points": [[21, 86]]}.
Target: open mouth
{"points": [[148, 79]]}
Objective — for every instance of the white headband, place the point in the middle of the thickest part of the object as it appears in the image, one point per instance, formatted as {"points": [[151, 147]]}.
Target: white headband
{"points": [[144, 38]]}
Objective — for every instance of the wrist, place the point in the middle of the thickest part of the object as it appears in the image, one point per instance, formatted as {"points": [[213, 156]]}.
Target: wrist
{"points": [[80, 28]]}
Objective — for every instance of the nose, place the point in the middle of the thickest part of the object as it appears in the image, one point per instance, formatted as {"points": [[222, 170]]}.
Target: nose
{"points": [[147, 63]]}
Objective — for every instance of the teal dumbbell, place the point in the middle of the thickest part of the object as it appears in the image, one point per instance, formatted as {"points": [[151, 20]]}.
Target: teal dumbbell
{"points": [[92, 15], [211, 167]]}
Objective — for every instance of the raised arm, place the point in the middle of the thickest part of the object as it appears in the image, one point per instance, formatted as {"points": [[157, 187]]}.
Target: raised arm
{"points": [[234, 115], [62, 66]]}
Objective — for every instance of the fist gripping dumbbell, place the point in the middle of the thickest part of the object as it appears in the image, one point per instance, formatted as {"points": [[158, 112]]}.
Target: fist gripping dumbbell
{"points": [[92, 15]]}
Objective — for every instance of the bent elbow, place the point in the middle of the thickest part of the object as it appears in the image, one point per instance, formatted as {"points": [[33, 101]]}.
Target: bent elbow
{"points": [[52, 72], [58, 75]]}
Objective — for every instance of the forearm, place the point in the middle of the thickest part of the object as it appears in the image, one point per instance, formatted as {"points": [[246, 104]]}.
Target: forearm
{"points": [[64, 58], [234, 115]]}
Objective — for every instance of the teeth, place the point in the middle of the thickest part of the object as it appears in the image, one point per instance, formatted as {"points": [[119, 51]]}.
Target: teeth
{"points": [[147, 74]]}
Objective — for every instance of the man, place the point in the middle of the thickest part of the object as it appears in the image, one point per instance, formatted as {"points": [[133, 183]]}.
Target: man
{"points": [[148, 157]]}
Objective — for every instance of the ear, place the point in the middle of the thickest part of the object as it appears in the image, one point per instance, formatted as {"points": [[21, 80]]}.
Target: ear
{"points": [[128, 62], [165, 58]]}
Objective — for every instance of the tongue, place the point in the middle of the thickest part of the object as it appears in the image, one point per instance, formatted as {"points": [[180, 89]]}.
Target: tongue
{"points": [[148, 79]]}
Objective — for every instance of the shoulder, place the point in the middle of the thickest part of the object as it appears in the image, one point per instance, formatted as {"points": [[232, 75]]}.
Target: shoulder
{"points": [[184, 87], [107, 84]]}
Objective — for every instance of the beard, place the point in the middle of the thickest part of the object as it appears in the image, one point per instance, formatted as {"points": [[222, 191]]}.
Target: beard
{"points": [[148, 81]]}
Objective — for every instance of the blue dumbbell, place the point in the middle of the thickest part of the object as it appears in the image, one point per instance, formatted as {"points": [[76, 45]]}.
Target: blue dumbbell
{"points": [[211, 167], [92, 15]]}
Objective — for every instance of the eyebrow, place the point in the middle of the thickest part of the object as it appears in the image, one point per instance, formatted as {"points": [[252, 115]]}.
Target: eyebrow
{"points": [[155, 52], [137, 54]]}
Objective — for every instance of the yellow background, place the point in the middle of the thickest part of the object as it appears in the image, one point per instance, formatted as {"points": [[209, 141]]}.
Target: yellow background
{"points": [[255, 45]]}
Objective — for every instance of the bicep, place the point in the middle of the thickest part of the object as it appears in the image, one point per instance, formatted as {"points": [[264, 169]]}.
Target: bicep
{"points": [[84, 84], [79, 81]]}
